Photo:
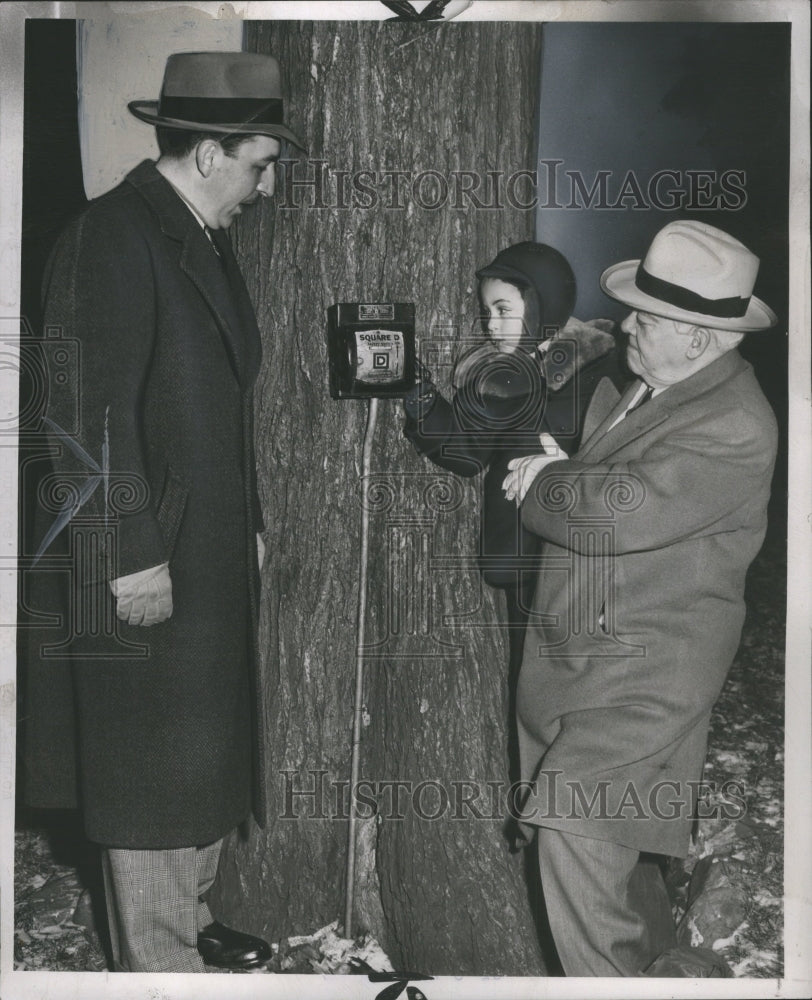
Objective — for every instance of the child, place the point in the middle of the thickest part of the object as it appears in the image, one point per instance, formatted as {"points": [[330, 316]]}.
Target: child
{"points": [[534, 374]]}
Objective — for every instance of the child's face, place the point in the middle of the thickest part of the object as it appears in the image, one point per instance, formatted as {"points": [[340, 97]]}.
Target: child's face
{"points": [[503, 307]]}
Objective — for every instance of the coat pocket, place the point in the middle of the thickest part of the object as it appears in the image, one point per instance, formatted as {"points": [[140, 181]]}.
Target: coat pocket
{"points": [[171, 508]]}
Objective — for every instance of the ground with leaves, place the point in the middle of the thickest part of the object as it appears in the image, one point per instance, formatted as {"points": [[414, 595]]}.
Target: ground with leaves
{"points": [[727, 895]]}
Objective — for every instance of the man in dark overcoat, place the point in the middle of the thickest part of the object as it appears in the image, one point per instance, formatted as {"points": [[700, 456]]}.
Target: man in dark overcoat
{"points": [[648, 531], [153, 433]]}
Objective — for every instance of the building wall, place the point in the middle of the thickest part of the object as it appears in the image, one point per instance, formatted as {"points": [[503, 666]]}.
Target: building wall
{"points": [[121, 58], [652, 97]]}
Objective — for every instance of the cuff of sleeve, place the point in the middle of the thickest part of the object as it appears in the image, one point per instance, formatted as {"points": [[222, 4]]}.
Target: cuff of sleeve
{"points": [[124, 584]]}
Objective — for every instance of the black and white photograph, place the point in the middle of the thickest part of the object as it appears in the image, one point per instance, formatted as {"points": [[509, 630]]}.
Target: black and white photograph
{"points": [[406, 459]]}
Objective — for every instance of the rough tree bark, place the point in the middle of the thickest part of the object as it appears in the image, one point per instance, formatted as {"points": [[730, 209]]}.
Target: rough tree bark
{"points": [[441, 894]]}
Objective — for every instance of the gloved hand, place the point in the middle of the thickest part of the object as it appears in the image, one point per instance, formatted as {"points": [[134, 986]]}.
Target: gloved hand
{"points": [[419, 400], [523, 471], [144, 598]]}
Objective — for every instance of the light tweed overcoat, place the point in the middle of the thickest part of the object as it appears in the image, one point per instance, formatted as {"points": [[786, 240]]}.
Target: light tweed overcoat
{"points": [[649, 530]]}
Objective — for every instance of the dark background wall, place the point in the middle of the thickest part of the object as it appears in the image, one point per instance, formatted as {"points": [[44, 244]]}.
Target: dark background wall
{"points": [[52, 167], [648, 97], [52, 192]]}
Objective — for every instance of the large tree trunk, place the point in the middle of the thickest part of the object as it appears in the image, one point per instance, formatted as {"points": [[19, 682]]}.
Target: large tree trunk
{"points": [[442, 894]]}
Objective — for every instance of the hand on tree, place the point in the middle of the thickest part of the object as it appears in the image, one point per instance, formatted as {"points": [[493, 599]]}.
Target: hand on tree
{"points": [[260, 550]]}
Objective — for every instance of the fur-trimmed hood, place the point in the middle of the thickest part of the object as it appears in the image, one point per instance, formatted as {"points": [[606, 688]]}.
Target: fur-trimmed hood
{"points": [[577, 345]]}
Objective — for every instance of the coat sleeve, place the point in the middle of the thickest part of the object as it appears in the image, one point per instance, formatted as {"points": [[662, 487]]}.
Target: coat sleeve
{"points": [[682, 486], [440, 437], [98, 292]]}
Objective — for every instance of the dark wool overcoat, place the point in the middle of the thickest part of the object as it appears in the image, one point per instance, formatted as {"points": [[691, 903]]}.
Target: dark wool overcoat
{"points": [[153, 731], [648, 532]]}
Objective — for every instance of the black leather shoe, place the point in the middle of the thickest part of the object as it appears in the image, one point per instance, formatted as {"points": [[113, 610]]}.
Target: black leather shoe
{"points": [[229, 949]]}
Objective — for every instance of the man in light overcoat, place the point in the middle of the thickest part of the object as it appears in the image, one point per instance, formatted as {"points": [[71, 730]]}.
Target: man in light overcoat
{"points": [[648, 533], [151, 722]]}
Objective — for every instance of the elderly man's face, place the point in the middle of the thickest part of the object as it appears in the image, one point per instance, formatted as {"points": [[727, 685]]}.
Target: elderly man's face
{"points": [[657, 348]]}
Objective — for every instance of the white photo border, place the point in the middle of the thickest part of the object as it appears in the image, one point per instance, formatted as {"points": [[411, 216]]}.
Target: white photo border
{"points": [[797, 981]]}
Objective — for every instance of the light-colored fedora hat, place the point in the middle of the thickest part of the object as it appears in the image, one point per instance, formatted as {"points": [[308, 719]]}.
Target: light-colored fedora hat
{"points": [[695, 273], [228, 92]]}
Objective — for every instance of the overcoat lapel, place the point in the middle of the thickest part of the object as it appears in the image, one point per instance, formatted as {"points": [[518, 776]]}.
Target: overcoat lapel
{"points": [[197, 259], [606, 440], [242, 303], [200, 263], [604, 399]]}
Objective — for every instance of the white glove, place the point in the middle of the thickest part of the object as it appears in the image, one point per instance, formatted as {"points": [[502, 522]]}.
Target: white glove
{"points": [[144, 598], [260, 550], [524, 470]]}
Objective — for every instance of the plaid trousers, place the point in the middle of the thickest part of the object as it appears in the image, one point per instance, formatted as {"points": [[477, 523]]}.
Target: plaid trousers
{"points": [[153, 906]]}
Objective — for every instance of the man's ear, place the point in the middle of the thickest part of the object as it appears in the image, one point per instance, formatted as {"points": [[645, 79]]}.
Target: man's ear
{"points": [[698, 342], [204, 156]]}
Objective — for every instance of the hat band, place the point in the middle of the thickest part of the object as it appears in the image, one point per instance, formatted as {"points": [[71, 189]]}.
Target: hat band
{"points": [[683, 298], [223, 110]]}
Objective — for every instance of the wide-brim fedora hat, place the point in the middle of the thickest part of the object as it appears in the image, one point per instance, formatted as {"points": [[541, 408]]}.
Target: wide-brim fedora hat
{"points": [[696, 274], [228, 92]]}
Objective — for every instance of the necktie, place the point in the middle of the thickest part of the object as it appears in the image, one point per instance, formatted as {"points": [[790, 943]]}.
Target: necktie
{"points": [[210, 238], [643, 399]]}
